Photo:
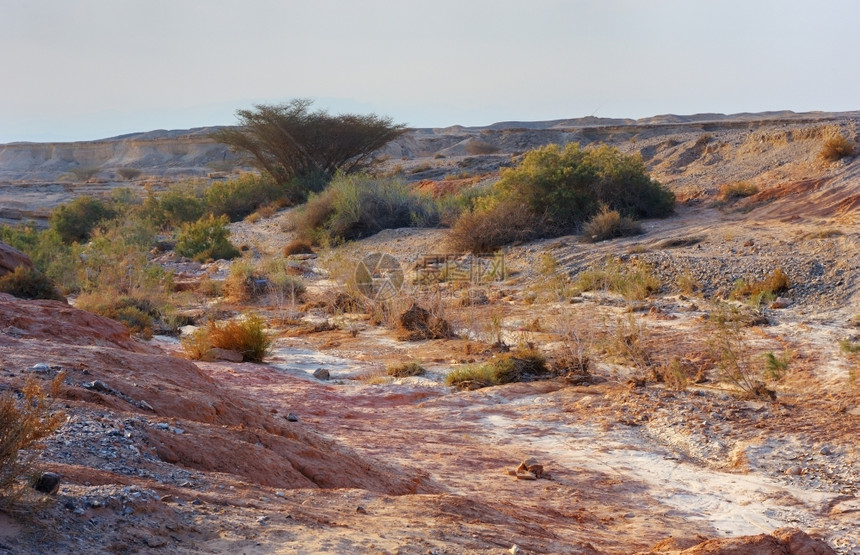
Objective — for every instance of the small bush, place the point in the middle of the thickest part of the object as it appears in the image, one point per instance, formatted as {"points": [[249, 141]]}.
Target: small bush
{"points": [[241, 283], [356, 206], [848, 347], [246, 336], [687, 283], [49, 253], [284, 287], [730, 192], [74, 222], [509, 368], [197, 345], [240, 197], [609, 224], [84, 173], [633, 280], [568, 185], [483, 231], [758, 291], [404, 369], [29, 283], [24, 422], [632, 343], [174, 207], [418, 323], [128, 173], [137, 313], [477, 148], [731, 350], [555, 190], [836, 147], [775, 367], [206, 239], [298, 246]]}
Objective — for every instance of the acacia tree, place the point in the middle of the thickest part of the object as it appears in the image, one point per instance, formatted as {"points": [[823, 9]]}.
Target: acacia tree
{"points": [[289, 140]]}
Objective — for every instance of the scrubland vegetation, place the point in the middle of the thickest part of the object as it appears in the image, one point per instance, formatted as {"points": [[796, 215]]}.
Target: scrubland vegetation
{"points": [[103, 252]]}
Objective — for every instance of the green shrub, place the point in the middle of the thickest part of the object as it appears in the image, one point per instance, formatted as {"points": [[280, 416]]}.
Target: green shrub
{"points": [[54, 258], [634, 280], [609, 224], [404, 369], [508, 368], [137, 313], [240, 197], [836, 148], [246, 336], [569, 185], [775, 367], [174, 207], [559, 189], [29, 283], [116, 262], [289, 141], [732, 351], [356, 206], [205, 239], [74, 222]]}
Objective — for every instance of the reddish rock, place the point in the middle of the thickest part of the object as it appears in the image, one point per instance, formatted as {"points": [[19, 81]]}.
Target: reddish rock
{"points": [[785, 541], [222, 431], [12, 258]]}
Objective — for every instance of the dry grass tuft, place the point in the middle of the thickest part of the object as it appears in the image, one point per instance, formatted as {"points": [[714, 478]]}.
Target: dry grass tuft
{"points": [[404, 369], [836, 147], [609, 224], [246, 336], [298, 246], [774, 284], [24, 421], [730, 192], [634, 280], [508, 368]]}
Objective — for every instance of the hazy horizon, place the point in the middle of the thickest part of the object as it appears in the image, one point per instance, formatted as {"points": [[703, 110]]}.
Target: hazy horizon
{"points": [[95, 69]]}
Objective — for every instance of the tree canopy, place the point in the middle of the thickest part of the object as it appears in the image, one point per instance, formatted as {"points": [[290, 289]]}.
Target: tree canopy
{"points": [[289, 140]]}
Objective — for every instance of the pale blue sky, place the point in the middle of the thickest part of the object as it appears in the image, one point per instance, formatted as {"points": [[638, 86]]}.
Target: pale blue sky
{"points": [[89, 69]]}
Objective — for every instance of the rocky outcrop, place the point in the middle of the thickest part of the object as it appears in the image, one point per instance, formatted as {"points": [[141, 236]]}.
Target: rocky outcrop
{"points": [[157, 153], [11, 258], [785, 541], [116, 379]]}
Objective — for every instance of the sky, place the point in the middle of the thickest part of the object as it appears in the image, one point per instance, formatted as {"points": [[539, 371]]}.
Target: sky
{"points": [[89, 69]]}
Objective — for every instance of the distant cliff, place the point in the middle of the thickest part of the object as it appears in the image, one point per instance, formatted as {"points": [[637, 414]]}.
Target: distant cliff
{"points": [[192, 153], [155, 153]]}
